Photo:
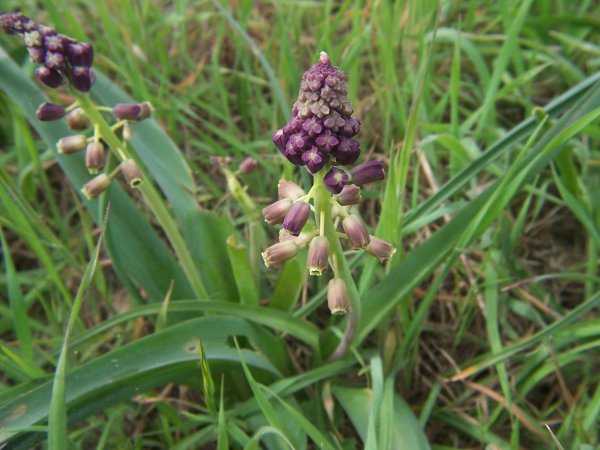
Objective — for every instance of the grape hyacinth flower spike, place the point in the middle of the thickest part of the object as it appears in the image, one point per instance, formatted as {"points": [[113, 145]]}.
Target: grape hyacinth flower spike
{"points": [[63, 61], [321, 136]]}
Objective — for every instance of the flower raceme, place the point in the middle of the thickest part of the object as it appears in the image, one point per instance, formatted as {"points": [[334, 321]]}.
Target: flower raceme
{"points": [[321, 137], [63, 60]]}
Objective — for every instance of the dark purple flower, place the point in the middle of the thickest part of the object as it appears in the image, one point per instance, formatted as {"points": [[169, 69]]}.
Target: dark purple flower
{"points": [[54, 60], [280, 139], [336, 179], [55, 43], [314, 159], [299, 141], [347, 151], [37, 54], [368, 172], [293, 155], [293, 126], [49, 111], [127, 111], [82, 78], [296, 217], [80, 54], [327, 142], [351, 127], [50, 77], [312, 126]]}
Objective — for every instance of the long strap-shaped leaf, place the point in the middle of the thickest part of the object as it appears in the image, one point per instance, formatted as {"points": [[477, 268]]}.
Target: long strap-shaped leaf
{"points": [[136, 367]]}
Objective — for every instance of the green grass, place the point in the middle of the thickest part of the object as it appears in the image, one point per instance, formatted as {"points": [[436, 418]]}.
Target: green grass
{"points": [[482, 332]]}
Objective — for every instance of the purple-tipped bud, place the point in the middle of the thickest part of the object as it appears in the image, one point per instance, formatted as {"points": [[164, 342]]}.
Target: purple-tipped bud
{"points": [[280, 139], [55, 42], [82, 78], [314, 160], [356, 231], [77, 120], [336, 179], [327, 142], [127, 111], [277, 254], [350, 195], [248, 165], [381, 249], [47, 112], [347, 151], [296, 217], [275, 212], [50, 77], [318, 254], [368, 172], [80, 54], [289, 189], [71, 144], [337, 296], [96, 186], [131, 172], [94, 157]]}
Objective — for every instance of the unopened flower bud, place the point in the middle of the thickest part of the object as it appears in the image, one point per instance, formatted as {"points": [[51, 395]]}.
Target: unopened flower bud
{"points": [[96, 186], [381, 249], [278, 253], [248, 165], [147, 110], [49, 111], [368, 172], [356, 231], [71, 144], [336, 179], [318, 254], [77, 120], [296, 217], [131, 172], [350, 195], [337, 296], [82, 78], [80, 54], [275, 212], [94, 157], [127, 132], [49, 77], [289, 189], [127, 111]]}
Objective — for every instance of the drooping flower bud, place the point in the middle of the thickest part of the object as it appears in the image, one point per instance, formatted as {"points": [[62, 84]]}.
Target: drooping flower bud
{"points": [[147, 110], [71, 144], [347, 151], [77, 120], [132, 111], [337, 296], [350, 195], [296, 217], [314, 159], [318, 254], [275, 212], [356, 231], [94, 157], [289, 189], [368, 172], [278, 253], [50, 77], [131, 172], [47, 112], [248, 165], [82, 78], [381, 249], [96, 186], [336, 179]]}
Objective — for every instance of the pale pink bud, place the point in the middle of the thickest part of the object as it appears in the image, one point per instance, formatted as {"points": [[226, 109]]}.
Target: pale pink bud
{"points": [[96, 186], [275, 212], [289, 189], [337, 296], [278, 253], [71, 144], [350, 195], [318, 254], [356, 231], [131, 172], [381, 249], [94, 157]]}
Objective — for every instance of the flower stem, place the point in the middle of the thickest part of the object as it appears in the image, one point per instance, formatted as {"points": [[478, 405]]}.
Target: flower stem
{"points": [[151, 196], [323, 202]]}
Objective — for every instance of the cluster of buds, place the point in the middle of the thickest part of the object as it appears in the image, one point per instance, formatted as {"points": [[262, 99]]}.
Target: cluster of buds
{"points": [[59, 57], [320, 137], [95, 147]]}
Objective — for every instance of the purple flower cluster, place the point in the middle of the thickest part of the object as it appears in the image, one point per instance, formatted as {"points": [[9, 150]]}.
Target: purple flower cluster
{"points": [[59, 56], [322, 126]]}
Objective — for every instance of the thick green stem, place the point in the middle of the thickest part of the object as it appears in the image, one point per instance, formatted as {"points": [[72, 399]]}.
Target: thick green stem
{"points": [[323, 210], [151, 196]]}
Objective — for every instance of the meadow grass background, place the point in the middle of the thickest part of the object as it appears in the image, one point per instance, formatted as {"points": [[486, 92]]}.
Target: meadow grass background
{"points": [[486, 337]]}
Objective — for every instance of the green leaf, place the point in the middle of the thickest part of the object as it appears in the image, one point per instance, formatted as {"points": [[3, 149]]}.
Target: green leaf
{"points": [[242, 271], [163, 357]]}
